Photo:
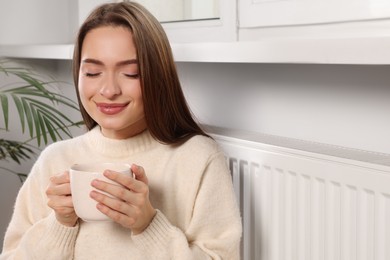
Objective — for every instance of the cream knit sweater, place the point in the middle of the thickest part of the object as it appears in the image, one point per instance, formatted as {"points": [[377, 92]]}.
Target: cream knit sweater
{"points": [[190, 186]]}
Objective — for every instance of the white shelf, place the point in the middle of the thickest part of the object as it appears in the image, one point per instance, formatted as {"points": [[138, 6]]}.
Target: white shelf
{"points": [[321, 51], [363, 50], [52, 51]]}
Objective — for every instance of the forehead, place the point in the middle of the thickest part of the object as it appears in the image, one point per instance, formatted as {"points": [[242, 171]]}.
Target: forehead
{"points": [[109, 42]]}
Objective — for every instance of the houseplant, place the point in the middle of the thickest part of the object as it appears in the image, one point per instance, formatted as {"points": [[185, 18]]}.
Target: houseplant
{"points": [[38, 107]]}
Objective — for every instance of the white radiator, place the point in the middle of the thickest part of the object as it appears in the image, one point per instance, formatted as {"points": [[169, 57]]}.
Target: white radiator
{"points": [[306, 201]]}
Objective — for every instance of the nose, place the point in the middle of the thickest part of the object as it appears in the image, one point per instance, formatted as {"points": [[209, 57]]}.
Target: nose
{"points": [[110, 87]]}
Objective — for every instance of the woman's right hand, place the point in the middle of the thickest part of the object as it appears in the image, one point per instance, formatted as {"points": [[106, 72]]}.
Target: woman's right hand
{"points": [[60, 199]]}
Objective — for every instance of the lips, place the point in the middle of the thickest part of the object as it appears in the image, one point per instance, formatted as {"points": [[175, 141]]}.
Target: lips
{"points": [[111, 108]]}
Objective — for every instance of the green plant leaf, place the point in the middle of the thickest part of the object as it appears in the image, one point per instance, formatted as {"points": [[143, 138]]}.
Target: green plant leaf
{"points": [[37, 127], [52, 114], [50, 109], [42, 126], [29, 117], [20, 109], [33, 82], [31, 89], [14, 150], [56, 98], [59, 125], [50, 129], [4, 105]]}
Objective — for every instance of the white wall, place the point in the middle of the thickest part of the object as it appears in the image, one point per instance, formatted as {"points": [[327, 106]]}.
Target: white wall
{"points": [[334, 104], [32, 18]]}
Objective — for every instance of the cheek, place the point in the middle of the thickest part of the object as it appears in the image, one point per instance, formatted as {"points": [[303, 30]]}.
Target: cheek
{"points": [[139, 100], [138, 95], [138, 91], [84, 93], [133, 90], [83, 88]]}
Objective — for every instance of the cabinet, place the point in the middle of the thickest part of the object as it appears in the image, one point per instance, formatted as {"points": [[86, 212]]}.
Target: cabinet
{"points": [[248, 31], [222, 29], [260, 13]]}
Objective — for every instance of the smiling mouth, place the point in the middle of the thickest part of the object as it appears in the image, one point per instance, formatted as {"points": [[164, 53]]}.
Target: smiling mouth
{"points": [[111, 108]]}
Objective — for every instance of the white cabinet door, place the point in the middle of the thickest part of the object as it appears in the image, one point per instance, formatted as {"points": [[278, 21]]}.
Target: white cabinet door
{"points": [[222, 29], [258, 13]]}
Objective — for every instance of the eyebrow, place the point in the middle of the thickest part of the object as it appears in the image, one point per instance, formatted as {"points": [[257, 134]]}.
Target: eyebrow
{"points": [[120, 63]]}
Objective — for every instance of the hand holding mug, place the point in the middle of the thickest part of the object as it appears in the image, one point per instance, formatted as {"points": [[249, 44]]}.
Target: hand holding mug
{"points": [[81, 178], [60, 200], [128, 203]]}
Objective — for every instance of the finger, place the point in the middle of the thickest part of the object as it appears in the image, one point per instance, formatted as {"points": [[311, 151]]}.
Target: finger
{"points": [[126, 181], [112, 202], [139, 173], [58, 190], [57, 202], [122, 193], [60, 178], [123, 219]]}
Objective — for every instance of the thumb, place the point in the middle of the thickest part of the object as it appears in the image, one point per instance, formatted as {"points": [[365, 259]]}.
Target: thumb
{"points": [[139, 173]]}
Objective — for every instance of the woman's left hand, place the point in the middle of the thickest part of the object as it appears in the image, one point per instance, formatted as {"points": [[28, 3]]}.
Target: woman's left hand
{"points": [[130, 206]]}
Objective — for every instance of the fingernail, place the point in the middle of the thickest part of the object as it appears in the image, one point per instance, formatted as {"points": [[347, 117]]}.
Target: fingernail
{"points": [[107, 173], [95, 182], [92, 194]]}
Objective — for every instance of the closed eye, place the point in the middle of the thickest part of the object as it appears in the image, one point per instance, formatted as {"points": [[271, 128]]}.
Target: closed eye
{"points": [[133, 76], [91, 75]]}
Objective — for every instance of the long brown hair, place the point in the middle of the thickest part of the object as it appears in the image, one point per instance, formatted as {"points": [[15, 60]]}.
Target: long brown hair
{"points": [[167, 114]]}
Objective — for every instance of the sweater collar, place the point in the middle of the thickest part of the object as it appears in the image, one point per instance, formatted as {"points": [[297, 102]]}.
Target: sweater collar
{"points": [[120, 148]]}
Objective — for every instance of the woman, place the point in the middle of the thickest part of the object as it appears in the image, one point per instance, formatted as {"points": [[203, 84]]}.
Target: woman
{"points": [[180, 203]]}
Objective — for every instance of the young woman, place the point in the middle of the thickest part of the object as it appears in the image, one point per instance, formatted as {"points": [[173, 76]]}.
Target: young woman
{"points": [[179, 205]]}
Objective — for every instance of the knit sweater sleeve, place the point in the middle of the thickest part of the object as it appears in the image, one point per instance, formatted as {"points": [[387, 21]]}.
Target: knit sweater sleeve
{"points": [[215, 228], [34, 232]]}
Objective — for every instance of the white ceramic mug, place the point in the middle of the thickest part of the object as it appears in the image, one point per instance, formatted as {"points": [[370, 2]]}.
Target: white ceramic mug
{"points": [[81, 177]]}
